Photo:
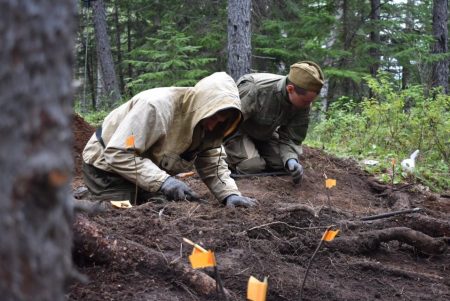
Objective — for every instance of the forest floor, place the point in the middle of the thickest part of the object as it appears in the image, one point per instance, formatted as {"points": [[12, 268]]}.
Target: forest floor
{"points": [[139, 254]]}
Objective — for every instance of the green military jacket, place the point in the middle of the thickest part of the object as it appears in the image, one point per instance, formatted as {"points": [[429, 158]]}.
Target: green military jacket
{"points": [[267, 110], [167, 139]]}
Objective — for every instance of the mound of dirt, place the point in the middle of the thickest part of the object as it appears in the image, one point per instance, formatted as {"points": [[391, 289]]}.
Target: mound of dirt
{"points": [[82, 132], [139, 254]]}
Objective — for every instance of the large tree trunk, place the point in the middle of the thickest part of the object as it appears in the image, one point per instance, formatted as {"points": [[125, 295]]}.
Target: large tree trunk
{"points": [[325, 92], [118, 45], [104, 53], [375, 36], [406, 64], [99, 89], [239, 37], [36, 57], [440, 33], [129, 47]]}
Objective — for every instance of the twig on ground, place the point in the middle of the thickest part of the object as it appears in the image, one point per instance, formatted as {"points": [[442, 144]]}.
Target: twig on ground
{"points": [[162, 254], [183, 286], [179, 257], [192, 212], [310, 262]]}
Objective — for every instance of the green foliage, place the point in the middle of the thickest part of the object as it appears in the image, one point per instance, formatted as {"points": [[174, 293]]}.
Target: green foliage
{"points": [[340, 73], [295, 32], [391, 125], [94, 118], [167, 59]]}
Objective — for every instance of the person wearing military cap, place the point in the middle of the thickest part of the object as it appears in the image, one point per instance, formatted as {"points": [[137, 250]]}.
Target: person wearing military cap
{"points": [[276, 116]]}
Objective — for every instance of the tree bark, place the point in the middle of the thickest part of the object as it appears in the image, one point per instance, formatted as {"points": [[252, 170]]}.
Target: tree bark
{"points": [[90, 71], [129, 47], [104, 54], [440, 33], [405, 63], [99, 88], [239, 37], [36, 59], [375, 36], [118, 45], [326, 92]]}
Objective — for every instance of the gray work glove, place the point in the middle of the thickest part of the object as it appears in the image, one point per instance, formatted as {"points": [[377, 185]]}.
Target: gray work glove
{"points": [[177, 190], [234, 200], [296, 170]]}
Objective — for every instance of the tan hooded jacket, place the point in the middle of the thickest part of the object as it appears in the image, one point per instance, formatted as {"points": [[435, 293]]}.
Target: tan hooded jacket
{"points": [[165, 126]]}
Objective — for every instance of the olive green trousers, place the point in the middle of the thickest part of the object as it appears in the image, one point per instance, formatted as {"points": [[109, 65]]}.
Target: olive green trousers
{"points": [[246, 155], [105, 185]]}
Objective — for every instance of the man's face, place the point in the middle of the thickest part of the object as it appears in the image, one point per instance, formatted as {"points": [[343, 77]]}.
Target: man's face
{"points": [[211, 122], [300, 101]]}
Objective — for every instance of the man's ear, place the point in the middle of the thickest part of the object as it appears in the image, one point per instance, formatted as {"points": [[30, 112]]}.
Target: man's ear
{"points": [[290, 88]]}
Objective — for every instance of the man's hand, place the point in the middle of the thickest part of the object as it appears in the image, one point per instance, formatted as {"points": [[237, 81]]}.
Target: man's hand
{"points": [[296, 170], [177, 190], [234, 200]]}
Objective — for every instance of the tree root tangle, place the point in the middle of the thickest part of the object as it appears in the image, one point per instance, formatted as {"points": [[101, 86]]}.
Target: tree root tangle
{"points": [[369, 241], [429, 225], [90, 243]]}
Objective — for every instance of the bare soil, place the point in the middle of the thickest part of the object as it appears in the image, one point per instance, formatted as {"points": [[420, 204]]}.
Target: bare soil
{"points": [[276, 239]]}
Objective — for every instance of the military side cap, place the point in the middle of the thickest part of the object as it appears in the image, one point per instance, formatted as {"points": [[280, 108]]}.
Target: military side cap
{"points": [[306, 75]]}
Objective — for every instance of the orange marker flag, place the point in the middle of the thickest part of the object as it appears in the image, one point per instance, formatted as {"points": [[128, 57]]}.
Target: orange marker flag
{"points": [[200, 258], [257, 290], [129, 142], [329, 235], [330, 183]]}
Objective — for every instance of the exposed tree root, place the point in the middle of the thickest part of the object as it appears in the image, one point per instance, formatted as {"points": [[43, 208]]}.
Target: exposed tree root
{"points": [[90, 243], [369, 241], [299, 207], [335, 210], [429, 225], [394, 271], [313, 211], [377, 186], [399, 200]]}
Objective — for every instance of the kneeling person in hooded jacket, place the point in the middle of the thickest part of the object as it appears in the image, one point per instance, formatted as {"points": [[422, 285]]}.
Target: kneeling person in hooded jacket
{"points": [[174, 129]]}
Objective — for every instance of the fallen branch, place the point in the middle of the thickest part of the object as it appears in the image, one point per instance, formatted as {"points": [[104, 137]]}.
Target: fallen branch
{"points": [[90, 243], [389, 214], [369, 241]]}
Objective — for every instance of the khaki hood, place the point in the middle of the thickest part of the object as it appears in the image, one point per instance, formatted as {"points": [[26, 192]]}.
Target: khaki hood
{"points": [[212, 94]]}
